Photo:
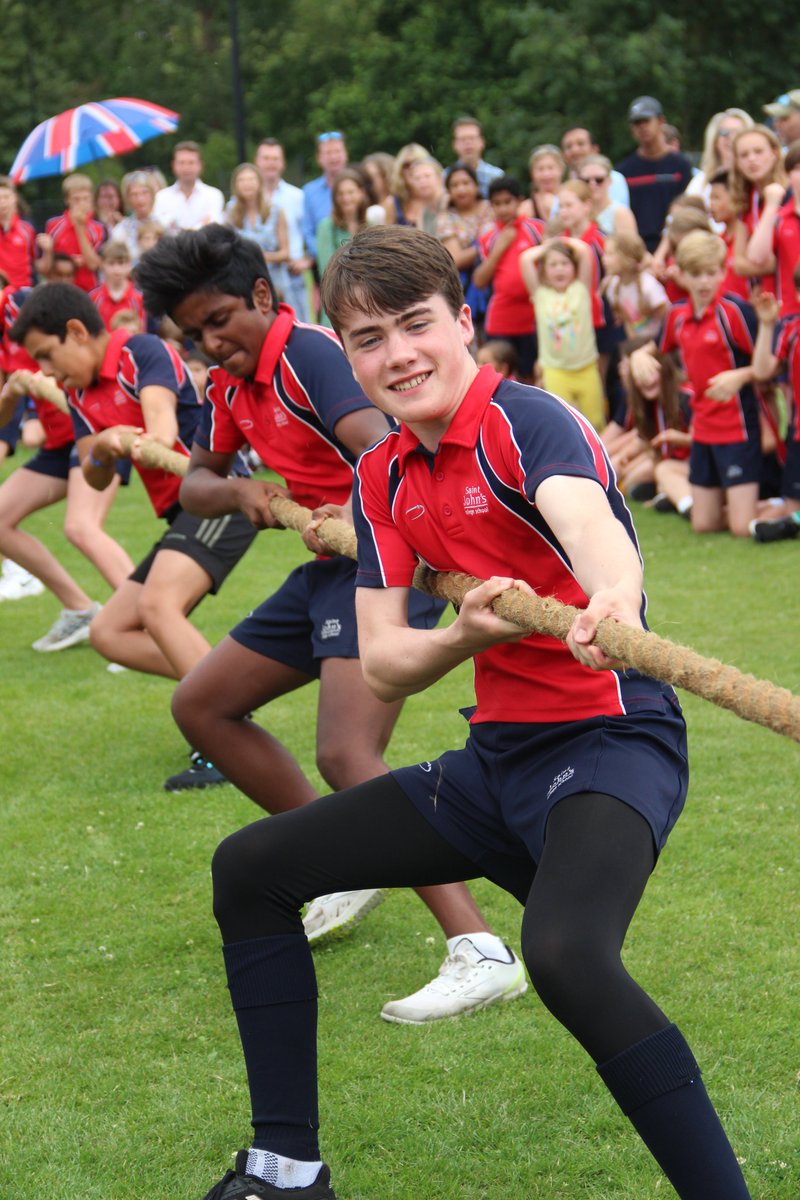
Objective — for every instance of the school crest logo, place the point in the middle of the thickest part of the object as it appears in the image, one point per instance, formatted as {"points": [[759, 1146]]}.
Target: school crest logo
{"points": [[561, 777], [475, 501], [280, 416], [331, 628]]}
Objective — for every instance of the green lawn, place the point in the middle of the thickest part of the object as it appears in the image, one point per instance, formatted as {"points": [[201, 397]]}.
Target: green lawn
{"points": [[121, 1075]]}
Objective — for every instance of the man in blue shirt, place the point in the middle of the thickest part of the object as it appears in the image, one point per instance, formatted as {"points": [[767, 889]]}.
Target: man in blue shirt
{"points": [[289, 278], [317, 199], [468, 146]]}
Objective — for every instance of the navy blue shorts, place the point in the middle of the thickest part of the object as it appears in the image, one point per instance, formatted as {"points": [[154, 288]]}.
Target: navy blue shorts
{"points": [[57, 463], [790, 480], [725, 466], [9, 433], [492, 799], [214, 543], [313, 616]]}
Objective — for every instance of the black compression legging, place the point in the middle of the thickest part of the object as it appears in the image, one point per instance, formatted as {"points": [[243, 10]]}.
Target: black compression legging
{"points": [[596, 861]]}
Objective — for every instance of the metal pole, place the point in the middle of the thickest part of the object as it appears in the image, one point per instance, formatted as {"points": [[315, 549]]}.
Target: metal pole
{"points": [[238, 96]]}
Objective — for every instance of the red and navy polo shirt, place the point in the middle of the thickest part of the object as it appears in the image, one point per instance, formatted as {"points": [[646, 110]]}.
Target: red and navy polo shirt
{"points": [[288, 412], [17, 252], [108, 307], [786, 247], [65, 241], [510, 310], [750, 218], [719, 340], [130, 364], [787, 350], [471, 507], [57, 425]]}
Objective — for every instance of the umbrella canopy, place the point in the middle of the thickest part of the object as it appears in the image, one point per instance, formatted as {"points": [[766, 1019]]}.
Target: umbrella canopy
{"points": [[80, 135]]}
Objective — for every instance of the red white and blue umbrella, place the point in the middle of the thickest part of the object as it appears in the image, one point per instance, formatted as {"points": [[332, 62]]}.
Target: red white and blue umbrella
{"points": [[80, 135]]}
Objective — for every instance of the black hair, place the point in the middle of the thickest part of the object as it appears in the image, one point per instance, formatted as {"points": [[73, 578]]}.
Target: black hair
{"points": [[572, 129], [50, 306], [720, 177], [212, 259], [461, 166], [505, 183]]}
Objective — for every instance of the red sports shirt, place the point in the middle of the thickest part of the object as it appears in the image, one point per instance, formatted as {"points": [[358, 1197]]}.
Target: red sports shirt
{"points": [[510, 310], [17, 252]]}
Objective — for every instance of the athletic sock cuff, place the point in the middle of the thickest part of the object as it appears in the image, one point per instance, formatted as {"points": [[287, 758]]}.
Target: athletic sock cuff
{"points": [[651, 1068], [270, 970]]}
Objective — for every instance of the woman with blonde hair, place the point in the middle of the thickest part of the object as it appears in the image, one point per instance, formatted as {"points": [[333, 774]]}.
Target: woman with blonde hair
{"points": [[718, 148], [418, 195], [757, 163], [249, 211], [546, 167], [139, 195]]}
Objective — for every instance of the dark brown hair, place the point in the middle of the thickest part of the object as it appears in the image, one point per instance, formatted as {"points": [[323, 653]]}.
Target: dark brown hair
{"points": [[389, 268]]}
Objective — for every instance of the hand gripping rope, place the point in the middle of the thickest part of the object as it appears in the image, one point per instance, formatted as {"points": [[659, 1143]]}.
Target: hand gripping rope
{"points": [[753, 699]]}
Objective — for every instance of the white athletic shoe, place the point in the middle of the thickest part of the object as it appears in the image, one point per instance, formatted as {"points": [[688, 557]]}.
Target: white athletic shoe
{"points": [[467, 981], [70, 627], [16, 583], [337, 914]]}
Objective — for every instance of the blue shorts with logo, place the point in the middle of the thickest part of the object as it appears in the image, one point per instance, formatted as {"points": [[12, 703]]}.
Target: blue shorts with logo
{"points": [[725, 466], [312, 616], [492, 799]]}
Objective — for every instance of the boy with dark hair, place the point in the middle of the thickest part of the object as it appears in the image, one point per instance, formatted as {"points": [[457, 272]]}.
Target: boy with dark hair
{"points": [[574, 771], [287, 390], [509, 316], [720, 206], [118, 383]]}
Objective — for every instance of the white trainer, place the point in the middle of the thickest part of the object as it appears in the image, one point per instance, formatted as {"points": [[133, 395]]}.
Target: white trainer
{"points": [[17, 584], [69, 628], [337, 914], [467, 982]]}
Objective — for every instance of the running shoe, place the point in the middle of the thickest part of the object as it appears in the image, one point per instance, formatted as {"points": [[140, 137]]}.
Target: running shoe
{"points": [[236, 1185], [16, 583], [70, 627], [775, 531], [199, 774], [467, 982], [337, 914]]}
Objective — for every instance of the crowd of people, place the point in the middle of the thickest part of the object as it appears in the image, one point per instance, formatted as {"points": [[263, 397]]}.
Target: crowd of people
{"points": [[321, 332]]}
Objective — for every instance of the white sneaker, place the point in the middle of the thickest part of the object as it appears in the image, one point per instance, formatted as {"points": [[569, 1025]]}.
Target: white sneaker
{"points": [[70, 627], [16, 583], [467, 981], [338, 913]]}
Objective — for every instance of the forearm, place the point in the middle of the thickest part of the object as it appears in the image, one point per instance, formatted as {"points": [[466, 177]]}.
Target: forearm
{"points": [[484, 272], [402, 661], [759, 248], [764, 361], [91, 258], [207, 494]]}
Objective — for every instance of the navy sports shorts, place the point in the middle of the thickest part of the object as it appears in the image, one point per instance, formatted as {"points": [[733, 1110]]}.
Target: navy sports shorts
{"points": [[215, 543], [57, 463], [313, 616], [492, 799], [725, 466], [9, 433]]}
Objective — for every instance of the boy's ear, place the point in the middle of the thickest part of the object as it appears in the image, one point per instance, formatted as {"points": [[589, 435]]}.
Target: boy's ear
{"points": [[77, 330], [262, 296]]}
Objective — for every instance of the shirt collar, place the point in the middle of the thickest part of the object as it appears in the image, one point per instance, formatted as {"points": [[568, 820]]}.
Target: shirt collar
{"points": [[112, 355], [275, 343], [465, 426]]}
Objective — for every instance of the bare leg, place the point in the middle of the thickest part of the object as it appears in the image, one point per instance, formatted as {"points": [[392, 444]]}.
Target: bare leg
{"points": [[174, 586], [118, 634], [87, 509], [708, 512], [672, 478], [742, 506], [23, 493]]}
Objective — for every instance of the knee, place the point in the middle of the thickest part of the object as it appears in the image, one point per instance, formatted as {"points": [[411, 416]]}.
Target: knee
{"points": [[102, 635], [342, 765], [153, 612], [76, 533], [251, 871], [189, 708], [562, 964]]}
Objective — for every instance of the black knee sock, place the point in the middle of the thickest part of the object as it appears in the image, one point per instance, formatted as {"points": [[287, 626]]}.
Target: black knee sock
{"points": [[274, 994], [657, 1084]]}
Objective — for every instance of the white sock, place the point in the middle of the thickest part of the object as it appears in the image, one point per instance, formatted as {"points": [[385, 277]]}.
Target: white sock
{"points": [[684, 504], [279, 1171], [487, 944]]}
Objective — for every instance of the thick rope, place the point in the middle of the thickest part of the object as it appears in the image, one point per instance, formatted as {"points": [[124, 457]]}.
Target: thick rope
{"points": [[752, 699]]}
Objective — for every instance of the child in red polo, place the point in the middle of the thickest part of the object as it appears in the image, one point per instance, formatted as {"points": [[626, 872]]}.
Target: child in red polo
{"points": [[17, 239], [777, 234], [117, 293], [77, 233], [715, 335], [509, 316]]}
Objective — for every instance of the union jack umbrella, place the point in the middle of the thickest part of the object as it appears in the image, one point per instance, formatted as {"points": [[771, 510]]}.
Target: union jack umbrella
{"points": [[80, 135]]}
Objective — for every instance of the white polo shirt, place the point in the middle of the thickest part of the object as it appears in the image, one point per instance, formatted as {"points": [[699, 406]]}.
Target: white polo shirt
{"points": [[175, 210]]}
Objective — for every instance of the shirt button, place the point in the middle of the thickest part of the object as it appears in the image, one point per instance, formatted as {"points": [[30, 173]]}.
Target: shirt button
{"points": [[439, 476], [447, 510]]}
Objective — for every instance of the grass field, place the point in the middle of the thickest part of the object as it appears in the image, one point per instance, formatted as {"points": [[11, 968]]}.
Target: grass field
{"points": [[121, 1076]]}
